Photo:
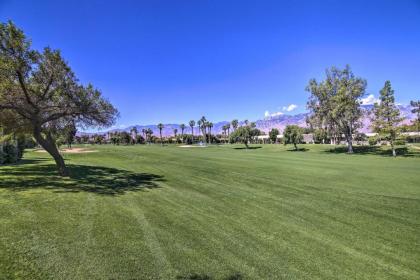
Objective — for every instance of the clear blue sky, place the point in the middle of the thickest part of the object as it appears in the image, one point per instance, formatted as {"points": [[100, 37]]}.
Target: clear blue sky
{"points": [[172, 61]]}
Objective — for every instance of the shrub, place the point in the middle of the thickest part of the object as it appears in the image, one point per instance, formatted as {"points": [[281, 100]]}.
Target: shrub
{"points": [[399, 142], [11, 153], [373, 140]]}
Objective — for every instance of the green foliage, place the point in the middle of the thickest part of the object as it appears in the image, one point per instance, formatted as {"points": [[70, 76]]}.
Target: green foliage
{"points": [[273, 135], [334, 103], [386, 115], [293, 134], [244, 134], [42, 95], [320, 136], [373, 140]]}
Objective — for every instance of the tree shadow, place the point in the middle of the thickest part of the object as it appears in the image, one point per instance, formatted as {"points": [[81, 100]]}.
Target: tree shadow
{"points": [[196, 276], [249, 148], [374, 150], [94, 179], [298, 150]]}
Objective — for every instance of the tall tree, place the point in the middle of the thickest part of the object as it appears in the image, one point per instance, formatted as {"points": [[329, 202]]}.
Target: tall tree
{"points": [[293, 134], [192, 124], [228, 129], [202, 125], [273, 135], [386, 115], [416, 110], [224, 128], [160, 126], [175, 132], [245, 134], [133, 132], [334, 103], [149, 133], [44, 93], [235, 124], [182, 126], [210, 126]]}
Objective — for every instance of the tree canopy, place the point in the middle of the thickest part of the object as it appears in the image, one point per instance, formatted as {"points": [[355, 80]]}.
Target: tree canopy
{"points": [[334, 103], [41, 93], [293, 134], [386, 115]]}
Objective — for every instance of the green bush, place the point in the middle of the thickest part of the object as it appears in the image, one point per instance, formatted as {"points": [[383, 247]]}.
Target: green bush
{"points": [[2, 157], [11, 153], [399, 142], [373, 140]]}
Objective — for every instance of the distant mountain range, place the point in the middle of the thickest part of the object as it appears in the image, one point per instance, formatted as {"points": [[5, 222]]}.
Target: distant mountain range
{"points": [[266, 124]]}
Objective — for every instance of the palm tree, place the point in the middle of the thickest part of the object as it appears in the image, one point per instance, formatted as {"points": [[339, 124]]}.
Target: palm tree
{"points": [[143, 131], [182, 126], [224, 128], [134, 132], [235, 124], [149, 133], [160, 126], [210, 126], [175, 133], [228, 129], [192, 124], [202, 123]]}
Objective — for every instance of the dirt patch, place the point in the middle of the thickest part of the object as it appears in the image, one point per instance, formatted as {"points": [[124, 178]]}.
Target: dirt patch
{"points": [[71, 151]]}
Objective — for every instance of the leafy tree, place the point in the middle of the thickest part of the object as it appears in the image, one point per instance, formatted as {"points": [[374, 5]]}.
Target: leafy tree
{"points": [[235, 124], [175, 132], [334, 103], [273, 135], [182, 126], [192, 124], [44, 94], [160, 127], [320, 135], [69, 132], [416, 110], [386, 115], [293, 134], [244, 134]]}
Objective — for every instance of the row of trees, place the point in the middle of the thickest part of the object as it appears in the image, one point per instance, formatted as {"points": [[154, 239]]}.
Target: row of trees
{"points": [[335, 107]]}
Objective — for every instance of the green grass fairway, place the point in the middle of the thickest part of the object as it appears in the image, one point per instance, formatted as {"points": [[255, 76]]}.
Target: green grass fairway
{"points": [[151, 212]]}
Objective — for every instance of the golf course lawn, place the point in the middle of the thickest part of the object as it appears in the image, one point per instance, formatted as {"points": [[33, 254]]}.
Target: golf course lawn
{"points": [[221, 212]]}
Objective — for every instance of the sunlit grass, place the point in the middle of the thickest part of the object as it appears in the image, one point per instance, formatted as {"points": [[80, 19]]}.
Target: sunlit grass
{"points": [[151, 212]]}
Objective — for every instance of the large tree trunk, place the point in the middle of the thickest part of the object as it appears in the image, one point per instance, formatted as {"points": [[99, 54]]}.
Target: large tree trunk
{"points": [[394, 154], [49, 145], [349, 144]]}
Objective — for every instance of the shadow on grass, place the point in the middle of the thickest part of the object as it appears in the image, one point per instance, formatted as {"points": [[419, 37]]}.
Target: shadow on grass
{"points": [[298, 150], [375, 150], [94, 179], [249, 148], [195, 276]]}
